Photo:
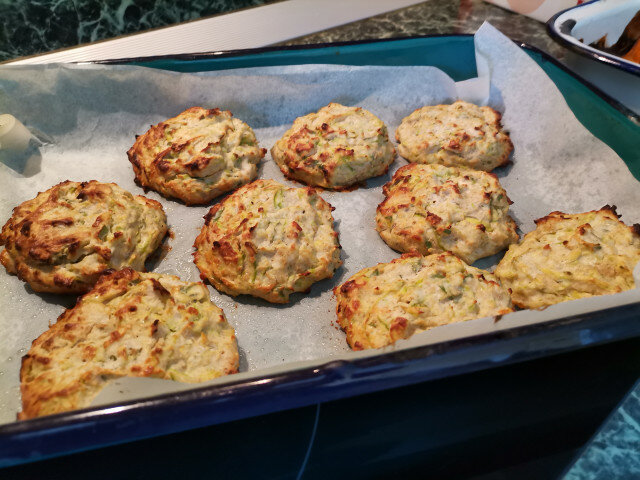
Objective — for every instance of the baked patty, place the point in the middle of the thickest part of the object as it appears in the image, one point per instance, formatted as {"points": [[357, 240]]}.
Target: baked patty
{"points": [[433, 208], [461, 135], [335, 147], [65, 238], [196, 156], [131, 324], [390, 301], [570, 256], [268, 240]]}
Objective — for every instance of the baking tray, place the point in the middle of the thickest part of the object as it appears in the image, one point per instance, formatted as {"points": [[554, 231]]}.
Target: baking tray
{"points": [[96, 427]]}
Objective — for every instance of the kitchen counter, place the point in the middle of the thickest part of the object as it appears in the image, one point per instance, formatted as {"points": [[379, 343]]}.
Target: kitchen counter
{"points": [[28, 29], [437, 17]]}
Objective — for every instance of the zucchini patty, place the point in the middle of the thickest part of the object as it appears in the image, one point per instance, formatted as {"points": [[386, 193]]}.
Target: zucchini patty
{"points": [[269, 241], [65, 238]]}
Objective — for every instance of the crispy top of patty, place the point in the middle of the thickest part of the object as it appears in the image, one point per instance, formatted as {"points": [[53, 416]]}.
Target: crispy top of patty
{"points": [[570, 256], [390, 301], [65, 238], [131, 324], [334, 147], [196, 156], [461, 134], [269, 241], [433, 208]]}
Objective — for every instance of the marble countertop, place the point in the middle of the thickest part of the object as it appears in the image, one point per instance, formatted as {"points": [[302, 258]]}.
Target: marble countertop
{"points": [[614, 451], [27, 28], [440, 17]]}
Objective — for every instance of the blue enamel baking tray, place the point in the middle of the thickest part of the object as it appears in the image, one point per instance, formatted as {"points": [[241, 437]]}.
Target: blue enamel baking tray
{"points": [[93, 428]]}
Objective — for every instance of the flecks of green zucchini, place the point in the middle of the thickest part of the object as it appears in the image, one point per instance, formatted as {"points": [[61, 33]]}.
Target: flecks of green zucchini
{"points": [[277, 198], [102, 234], [494, 207], [246, 140], [346, 162], [216, 217]]}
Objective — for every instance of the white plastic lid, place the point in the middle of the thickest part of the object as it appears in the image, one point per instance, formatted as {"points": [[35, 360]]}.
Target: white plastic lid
{"points": [[13, 134]]}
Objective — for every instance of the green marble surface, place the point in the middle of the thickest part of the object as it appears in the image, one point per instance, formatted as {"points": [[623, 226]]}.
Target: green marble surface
{"points": [[437, 17], [29, 27], [614, 452]]}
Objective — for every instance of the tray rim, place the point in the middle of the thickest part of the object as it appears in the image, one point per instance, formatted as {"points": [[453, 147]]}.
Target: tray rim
{"points": [[627, 112], [395, 368], [16, 436]]}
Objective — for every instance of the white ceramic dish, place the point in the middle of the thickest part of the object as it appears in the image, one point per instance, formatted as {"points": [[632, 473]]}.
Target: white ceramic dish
{"points": [[584, 24]]}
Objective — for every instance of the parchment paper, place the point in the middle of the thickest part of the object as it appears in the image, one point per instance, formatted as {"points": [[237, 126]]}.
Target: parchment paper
{"points": [[91, 114]]}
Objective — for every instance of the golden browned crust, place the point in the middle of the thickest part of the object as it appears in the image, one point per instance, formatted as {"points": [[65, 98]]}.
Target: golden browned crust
{"points": [[382, 304], [433, 208], [196, 156], [461, 135], [570, 256], [131, 324], [269, 241], [65, 238], [335, 148]]}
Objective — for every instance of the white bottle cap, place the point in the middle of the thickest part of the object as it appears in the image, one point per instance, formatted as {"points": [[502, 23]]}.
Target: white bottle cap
{"points": [[13, 134]]}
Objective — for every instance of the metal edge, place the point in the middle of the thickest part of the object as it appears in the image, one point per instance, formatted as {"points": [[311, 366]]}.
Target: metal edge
{"points": [[275, 48], [624, 110], [77, 430], [601, 57], [630, 114]]}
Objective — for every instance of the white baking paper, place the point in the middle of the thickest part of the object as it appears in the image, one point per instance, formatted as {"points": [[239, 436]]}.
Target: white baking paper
{"points": [[91, 114]]}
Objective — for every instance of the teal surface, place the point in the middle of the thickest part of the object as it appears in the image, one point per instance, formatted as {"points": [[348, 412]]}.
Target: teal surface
{"points": [[452, 54], [614, 451]]}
